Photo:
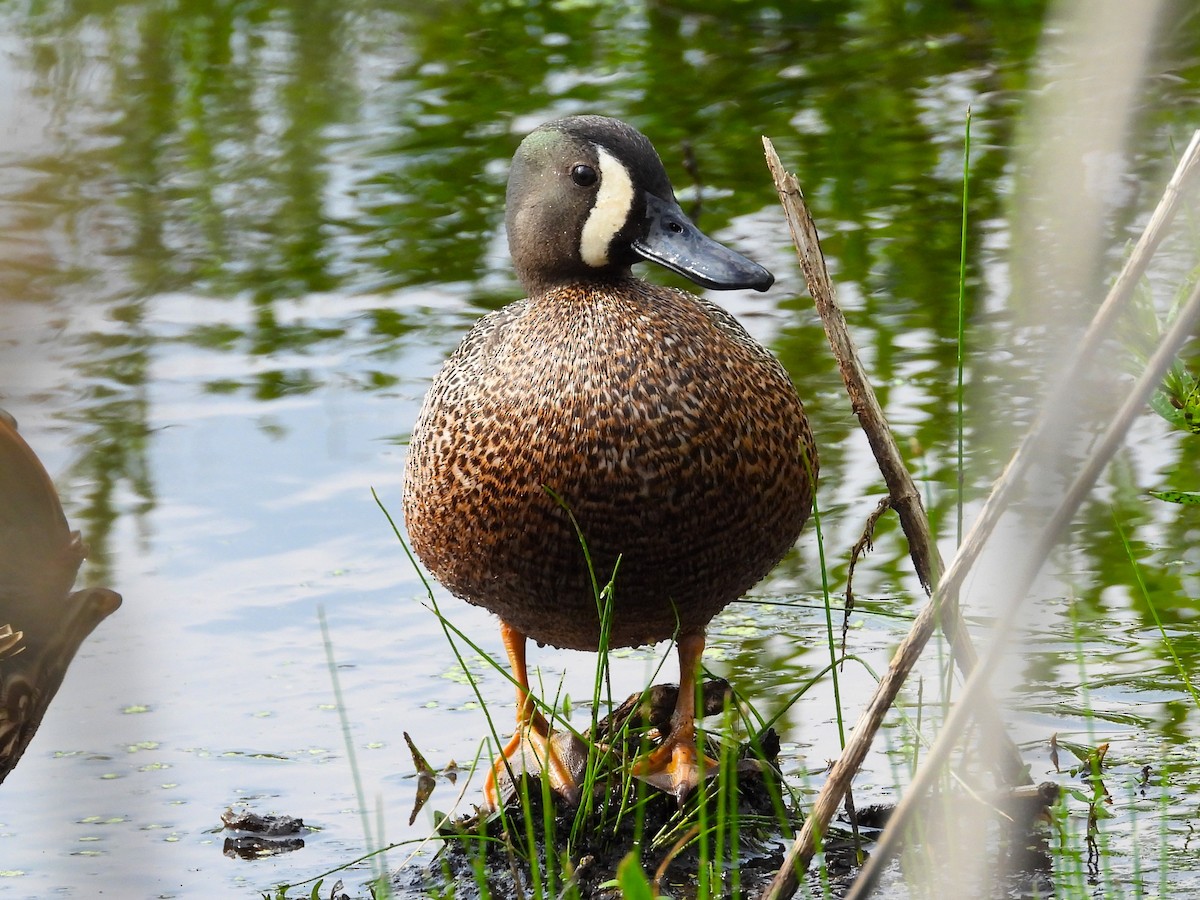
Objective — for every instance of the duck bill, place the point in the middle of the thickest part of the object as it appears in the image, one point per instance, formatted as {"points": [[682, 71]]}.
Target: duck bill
{"points": [[673, 241]]}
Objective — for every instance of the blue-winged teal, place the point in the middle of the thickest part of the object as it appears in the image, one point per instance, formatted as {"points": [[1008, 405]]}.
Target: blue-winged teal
{"points": [[676, 441]]}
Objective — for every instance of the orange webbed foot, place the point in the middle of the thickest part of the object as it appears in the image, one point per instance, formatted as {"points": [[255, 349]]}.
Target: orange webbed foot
{"points": [[535, 749]]}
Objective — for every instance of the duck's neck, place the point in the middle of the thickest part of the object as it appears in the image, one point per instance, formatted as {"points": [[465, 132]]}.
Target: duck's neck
{"points": [[612, 278]]}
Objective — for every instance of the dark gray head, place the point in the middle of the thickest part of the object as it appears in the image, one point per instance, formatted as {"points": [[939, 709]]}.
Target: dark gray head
{"points": [[588, 197]]}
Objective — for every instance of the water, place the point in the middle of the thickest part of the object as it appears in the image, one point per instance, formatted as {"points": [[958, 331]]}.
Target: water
{"points": [[240, 238]]}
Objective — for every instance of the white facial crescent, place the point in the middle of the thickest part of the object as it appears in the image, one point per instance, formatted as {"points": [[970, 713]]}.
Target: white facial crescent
{"points": [[614, 200]]}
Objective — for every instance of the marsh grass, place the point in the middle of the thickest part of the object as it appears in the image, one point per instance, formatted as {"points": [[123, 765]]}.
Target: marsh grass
{"points": [[1093, 824], [541, 848], [1096, 825], [1102, 845], [1082, 856], [1148, 599], [715, 846]]}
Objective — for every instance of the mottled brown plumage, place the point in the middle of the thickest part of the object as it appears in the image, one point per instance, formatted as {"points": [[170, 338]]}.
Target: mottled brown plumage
{"points": [[676, 441]]}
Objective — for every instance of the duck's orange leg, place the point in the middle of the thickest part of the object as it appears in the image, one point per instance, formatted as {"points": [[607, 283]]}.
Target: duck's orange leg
{"points": [[674, 766], [533, 748]]}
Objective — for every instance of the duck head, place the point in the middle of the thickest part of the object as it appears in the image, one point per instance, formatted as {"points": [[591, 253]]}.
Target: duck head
{"points": [[588, 197]]}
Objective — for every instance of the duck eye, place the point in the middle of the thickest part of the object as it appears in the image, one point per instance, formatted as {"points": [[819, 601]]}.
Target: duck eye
{"points": [[584, 176]]}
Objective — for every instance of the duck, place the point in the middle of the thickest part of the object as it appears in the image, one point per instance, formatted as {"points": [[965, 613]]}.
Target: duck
{"points": [[606, 427]]}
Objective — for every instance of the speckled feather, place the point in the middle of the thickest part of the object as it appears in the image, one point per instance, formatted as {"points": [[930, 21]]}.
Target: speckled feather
{"points": [[677, 441]]}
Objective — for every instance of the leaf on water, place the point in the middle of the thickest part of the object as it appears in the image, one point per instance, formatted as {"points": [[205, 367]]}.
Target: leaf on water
{"points": [[425, 786], [423, 767], [1081, 752], [426, 781]]}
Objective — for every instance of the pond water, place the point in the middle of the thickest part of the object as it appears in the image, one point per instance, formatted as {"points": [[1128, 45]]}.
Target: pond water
{"points": [[238, 240]]}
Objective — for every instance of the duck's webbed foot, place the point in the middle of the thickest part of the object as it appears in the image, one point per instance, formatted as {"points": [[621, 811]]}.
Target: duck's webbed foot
{"points": [[676, 766], [535, 749]]}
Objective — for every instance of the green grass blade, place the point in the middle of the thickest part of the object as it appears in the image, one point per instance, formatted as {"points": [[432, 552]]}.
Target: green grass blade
{"points": [[343, 718], [962, 315], [632, 880], [1137, 573]]}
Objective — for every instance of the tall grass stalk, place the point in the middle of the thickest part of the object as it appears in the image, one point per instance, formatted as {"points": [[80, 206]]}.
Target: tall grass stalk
{"points": [[831, 642], [535, 871], [378, 864], [604, 599], [946, 667], [704, 869], [1164, 831], [634, 792], [478, 854], [728, 785], [1139, 878], [830, 633], [960, 477], [1141, 583], [1096, 776], [962, 318], [756, 730]]}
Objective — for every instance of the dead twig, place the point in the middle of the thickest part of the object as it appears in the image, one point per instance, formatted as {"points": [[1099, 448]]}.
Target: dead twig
{"points": [[861, 547], [902, 490]]}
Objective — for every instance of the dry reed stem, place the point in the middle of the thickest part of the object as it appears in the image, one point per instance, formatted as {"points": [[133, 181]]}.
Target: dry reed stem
{"points": [[906, 500], [1038, 437]]}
